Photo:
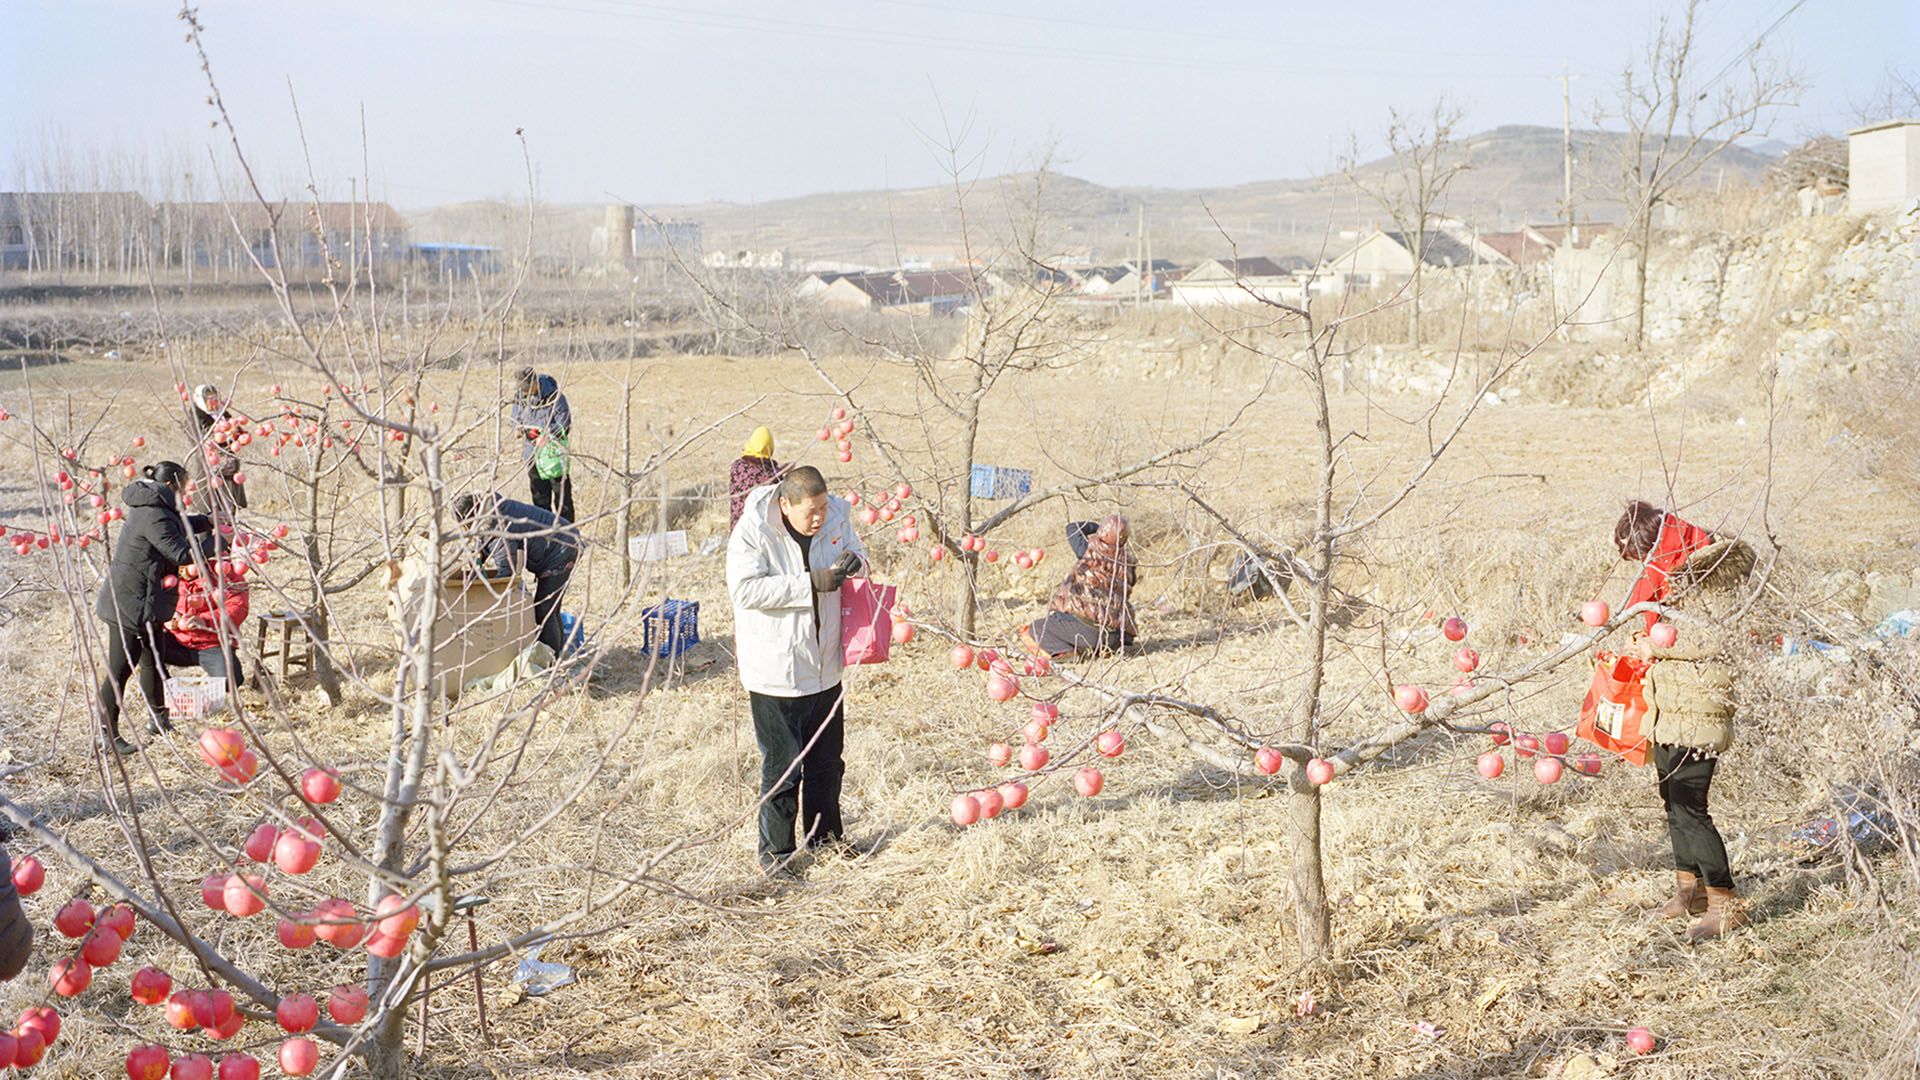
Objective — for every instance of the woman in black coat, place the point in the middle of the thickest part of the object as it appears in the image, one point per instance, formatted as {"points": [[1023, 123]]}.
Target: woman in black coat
{"points": [[140, 593]]}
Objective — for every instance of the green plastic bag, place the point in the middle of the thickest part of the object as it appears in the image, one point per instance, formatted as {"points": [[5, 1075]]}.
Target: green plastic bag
{"points": [[550, 458]]}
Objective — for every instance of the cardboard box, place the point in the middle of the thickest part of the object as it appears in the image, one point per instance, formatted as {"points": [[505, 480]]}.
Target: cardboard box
{"points": [[481, 624]]}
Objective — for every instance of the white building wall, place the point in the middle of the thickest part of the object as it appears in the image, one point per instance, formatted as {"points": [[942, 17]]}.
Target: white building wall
{"points": [[1883, 165]]}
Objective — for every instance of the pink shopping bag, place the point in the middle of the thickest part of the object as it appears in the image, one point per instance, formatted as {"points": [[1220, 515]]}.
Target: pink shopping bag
{"points": [[866, 622]]}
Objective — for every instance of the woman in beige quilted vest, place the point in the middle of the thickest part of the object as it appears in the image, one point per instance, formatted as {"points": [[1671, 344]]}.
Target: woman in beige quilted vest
{"points": [[1690, 706]]}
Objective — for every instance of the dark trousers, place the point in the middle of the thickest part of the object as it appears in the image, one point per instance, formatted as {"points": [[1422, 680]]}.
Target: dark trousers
{"points": [[1697, 847], [547, 589], [128, 648], [1060, 633], [221, 661], [783, 726], [554, 496]]}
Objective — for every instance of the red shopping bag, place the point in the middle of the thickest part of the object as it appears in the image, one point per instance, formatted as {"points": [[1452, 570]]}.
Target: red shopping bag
{"points": [[866, 620], [1615, 707]]}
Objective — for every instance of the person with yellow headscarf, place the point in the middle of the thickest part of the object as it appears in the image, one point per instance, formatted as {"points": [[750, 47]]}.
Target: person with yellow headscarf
{"points": [[755, 468]]}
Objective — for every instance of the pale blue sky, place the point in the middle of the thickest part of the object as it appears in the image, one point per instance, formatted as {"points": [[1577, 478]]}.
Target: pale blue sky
{"points": [[684, 100]]}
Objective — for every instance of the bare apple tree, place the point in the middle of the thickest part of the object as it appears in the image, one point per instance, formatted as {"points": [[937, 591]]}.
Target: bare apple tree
{"points": [[379, 855]]}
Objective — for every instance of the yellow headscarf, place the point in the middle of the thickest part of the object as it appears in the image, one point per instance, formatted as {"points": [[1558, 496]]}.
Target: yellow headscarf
{"points": [[760, 443]]}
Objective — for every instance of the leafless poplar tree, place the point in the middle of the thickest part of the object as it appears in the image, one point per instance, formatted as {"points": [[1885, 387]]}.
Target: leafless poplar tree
{"points": [[1411, 187], [1678, 116]]}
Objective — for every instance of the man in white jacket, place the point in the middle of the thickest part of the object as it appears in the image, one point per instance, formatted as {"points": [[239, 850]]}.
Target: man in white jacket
{"points": [[790, 551]]}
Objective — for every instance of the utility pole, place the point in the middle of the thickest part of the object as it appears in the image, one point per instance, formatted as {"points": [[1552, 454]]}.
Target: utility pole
{"points": [[1146, 271], [1139, 244], [1566, 148]]}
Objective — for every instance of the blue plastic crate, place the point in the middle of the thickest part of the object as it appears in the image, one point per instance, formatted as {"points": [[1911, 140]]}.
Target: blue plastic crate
{"points": [[999, 482], [670, 627]]}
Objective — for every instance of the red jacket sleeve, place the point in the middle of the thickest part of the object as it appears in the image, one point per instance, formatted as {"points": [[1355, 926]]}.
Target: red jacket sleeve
{"points": [[1678, 539], [238, 601]]}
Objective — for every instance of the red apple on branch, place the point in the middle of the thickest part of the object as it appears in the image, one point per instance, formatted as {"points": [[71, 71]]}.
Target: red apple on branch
{"points": [[299, 1057], [148, 1063], [28, 875], [150, 986], [29, 1046], [71, 975], [259, 845], [74, 918], [1088, 781], [991, 802], [297, 1013]]}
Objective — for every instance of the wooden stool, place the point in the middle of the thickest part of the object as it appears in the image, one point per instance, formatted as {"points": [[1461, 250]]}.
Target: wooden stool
{"points": [[295, 647]]}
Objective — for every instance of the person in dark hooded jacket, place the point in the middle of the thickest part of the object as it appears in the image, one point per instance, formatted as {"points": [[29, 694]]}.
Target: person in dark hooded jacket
{"points": [[141, 591], [541, 413], [510, 537]]}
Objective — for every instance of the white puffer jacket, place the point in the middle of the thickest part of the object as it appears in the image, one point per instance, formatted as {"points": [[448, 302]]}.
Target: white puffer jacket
{"points": [[779, 651]]}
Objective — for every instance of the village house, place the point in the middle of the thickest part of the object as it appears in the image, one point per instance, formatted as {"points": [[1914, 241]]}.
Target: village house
{"points": [[936, 292], [1382, 259], [1534, 245], [1242, 282]]}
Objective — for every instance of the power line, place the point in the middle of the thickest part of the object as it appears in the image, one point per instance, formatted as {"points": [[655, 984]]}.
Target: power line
{"points": [[1748, 50]]}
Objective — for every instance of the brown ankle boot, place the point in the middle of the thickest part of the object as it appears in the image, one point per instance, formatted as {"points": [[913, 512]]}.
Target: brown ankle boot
{"points": [[1688, 898], [1726, 912]]}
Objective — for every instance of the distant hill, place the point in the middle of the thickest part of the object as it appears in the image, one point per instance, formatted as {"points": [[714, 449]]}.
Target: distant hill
{"points": [[1514, 178]]}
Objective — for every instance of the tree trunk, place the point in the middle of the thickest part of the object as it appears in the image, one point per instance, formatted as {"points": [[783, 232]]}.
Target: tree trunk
{"points": [[1640, 256], [1413, 315], [409, 741], [386, 1054], [966, 608], [625, 530], [1312, 923], [323, 669]]}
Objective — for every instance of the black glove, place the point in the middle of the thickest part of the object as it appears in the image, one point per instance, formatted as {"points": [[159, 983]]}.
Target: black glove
{"points": [[834, 576]]}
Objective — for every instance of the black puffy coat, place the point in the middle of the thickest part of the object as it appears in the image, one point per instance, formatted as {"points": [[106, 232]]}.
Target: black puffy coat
{"points": [[153, 545]]}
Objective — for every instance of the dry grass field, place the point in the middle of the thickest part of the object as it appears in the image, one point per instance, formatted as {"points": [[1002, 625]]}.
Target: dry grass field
{"points": [[1483, 929]]}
